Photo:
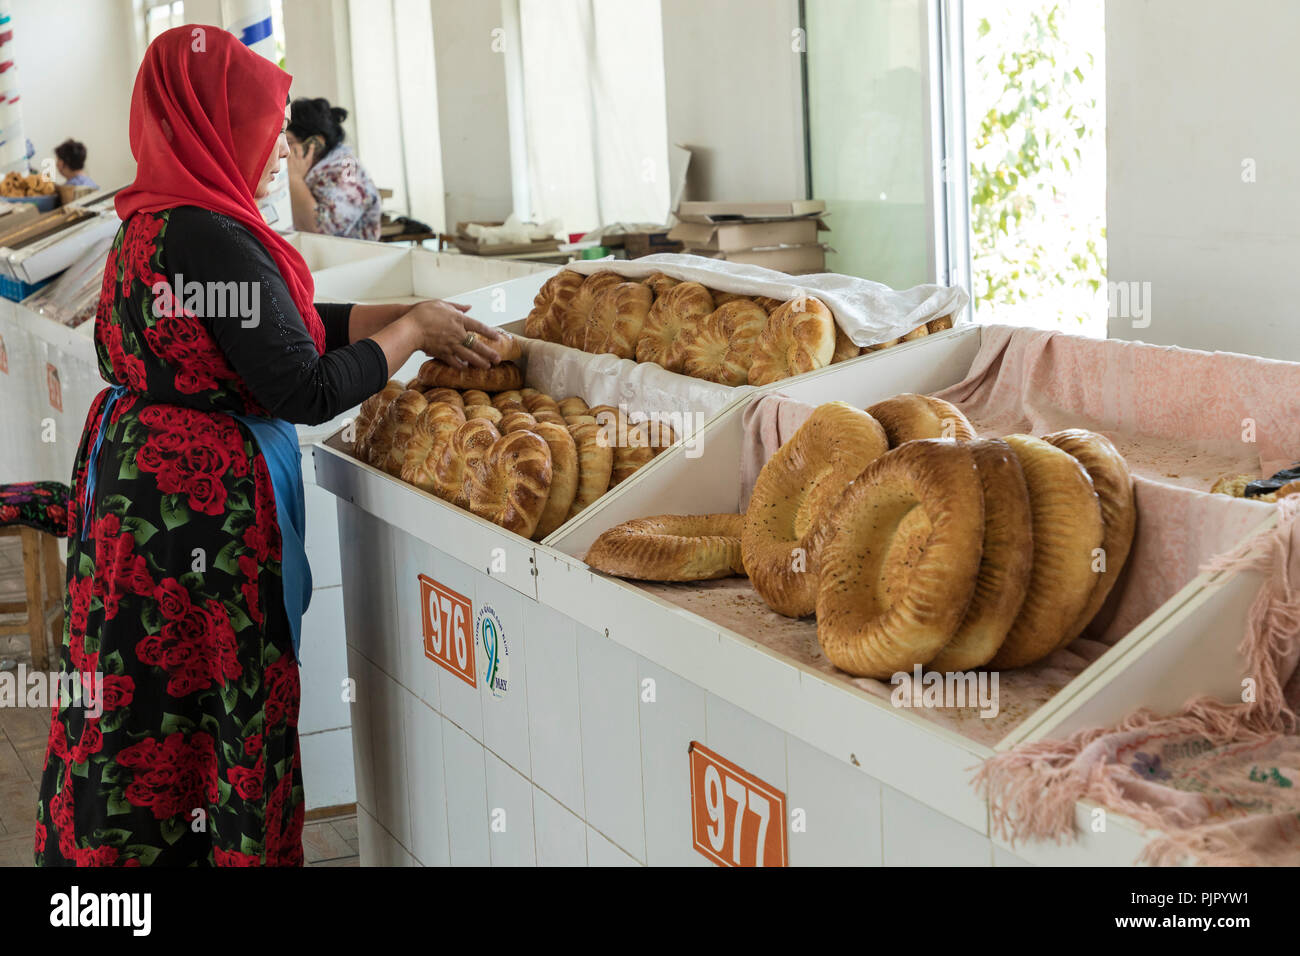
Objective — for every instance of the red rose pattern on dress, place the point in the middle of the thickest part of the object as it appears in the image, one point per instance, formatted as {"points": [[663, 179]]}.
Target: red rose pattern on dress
{"points": [[175, 597]]}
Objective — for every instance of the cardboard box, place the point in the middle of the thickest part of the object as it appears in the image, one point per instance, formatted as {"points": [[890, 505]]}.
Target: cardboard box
{"points": [[720, 211], [638, 244], [473, 247], [748, 234], [794, 260]]}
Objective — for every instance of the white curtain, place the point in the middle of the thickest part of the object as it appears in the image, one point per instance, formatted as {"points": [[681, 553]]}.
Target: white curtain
{"points": [[595, 122]]}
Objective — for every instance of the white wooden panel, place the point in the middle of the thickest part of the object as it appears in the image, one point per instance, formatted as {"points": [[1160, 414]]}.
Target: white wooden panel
{"points": [[505, 719], [554, 732], [915, 835], [611, 741], [363, 675], [510, 815], [466, 784], [561, 837], [840, 808], [669, 723], [388, 738], [426, 783]]}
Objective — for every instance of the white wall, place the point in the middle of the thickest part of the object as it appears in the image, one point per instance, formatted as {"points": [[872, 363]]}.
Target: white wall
{"points": [[472, 111], [734, 96], [77, 65], [1194, 89]]}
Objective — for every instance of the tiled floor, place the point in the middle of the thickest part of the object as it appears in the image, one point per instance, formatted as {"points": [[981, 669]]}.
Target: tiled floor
{"points": [[24, 731]]}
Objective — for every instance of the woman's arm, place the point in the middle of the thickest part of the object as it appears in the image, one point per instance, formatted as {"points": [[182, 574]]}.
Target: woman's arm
{"points": [[304, 206], [428, 318]]}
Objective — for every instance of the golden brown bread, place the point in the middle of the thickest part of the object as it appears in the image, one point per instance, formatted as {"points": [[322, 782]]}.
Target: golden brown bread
{"points": [[617, 315], [1067, 531], [939, 324], [486, 412], [595, 463], [514, 420], [475, 396], [509, 484], [380, 443], [845, 347], [661, 336], [546, 321], [633, 453], [659, 283], [573, 405], [511, 400], [785, 522], [564, 477], [878, 612], [919, 332], [722, 298], [671, 548], [799, 337], [1232, 485], [1113, 484], [469, 444], [880, 346], [574, 329], [1005, 564], [720, 348], [448, 395], [405, 411], [495, 378], [433, 431], [768, 303], [371, 413], [909, 416], [508, 348]]}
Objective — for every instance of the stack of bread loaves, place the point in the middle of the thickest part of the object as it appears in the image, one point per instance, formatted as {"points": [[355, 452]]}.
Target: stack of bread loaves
{"points": [[689, 328], [518, 457], [912, 541]]}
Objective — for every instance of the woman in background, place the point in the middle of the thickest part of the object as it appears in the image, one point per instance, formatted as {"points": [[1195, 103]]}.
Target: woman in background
{"points": [[70, 161], [329, 189]]}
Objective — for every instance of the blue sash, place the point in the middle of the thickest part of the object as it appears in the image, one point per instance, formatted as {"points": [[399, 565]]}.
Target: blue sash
{"points": [[278, 442]]}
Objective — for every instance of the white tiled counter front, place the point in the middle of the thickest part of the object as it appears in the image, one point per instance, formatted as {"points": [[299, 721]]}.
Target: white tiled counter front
{"points": [[584, 760]]}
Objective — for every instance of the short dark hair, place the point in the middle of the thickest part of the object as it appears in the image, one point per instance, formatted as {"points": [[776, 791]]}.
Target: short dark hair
{"points": [[72, 154], [315, 117]]}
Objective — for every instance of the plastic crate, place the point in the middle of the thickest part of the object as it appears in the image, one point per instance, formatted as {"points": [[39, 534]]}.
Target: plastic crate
{"points": [[17, 290]]}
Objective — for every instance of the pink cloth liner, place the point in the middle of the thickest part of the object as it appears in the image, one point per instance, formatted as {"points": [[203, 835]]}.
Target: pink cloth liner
{"points": [[1179, 417]]}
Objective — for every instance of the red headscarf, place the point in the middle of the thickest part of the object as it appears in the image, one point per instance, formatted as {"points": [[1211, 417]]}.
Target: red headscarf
{"points": [[205, 115]]}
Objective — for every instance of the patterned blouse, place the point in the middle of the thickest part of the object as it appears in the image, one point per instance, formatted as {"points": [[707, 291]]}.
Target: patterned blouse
{"points": [[347, 202]]}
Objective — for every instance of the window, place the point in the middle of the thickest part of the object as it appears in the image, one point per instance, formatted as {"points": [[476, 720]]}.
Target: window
{"points": [[963, 141], [161, 17], [1035, 87], [594, 123]]}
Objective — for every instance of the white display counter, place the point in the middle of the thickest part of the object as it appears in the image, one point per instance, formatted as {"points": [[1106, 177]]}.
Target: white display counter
{"points": [[580, 752]]}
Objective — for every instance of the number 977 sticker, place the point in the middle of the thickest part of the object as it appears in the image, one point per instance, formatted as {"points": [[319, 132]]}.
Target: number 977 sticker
{"points": [[736, 818]]}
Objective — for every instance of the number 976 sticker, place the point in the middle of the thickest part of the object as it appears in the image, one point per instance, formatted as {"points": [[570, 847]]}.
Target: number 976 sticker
{"points": [[446, 618], [736, 818]]}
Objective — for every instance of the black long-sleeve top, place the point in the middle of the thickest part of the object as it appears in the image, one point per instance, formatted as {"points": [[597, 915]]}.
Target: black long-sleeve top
{"points": [[275, 357]]}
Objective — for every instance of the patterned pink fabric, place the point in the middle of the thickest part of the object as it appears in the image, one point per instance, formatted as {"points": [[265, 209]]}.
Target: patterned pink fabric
{"points": [[1222, 781], [347, 202]]}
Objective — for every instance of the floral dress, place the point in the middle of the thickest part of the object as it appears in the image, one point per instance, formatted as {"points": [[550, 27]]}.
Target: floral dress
{"points": [[174, 593], [347, 202]]}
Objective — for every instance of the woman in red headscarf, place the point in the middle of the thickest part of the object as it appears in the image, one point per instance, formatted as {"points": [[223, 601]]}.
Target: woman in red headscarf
{"points": [[177, 743]]}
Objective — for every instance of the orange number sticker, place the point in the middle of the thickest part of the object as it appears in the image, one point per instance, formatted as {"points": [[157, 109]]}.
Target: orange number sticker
{"points": [[736, 819], [447, 617]]}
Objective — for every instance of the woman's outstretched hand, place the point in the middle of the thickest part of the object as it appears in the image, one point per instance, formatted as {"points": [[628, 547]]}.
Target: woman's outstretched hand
{"points": [[448, 334]]}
